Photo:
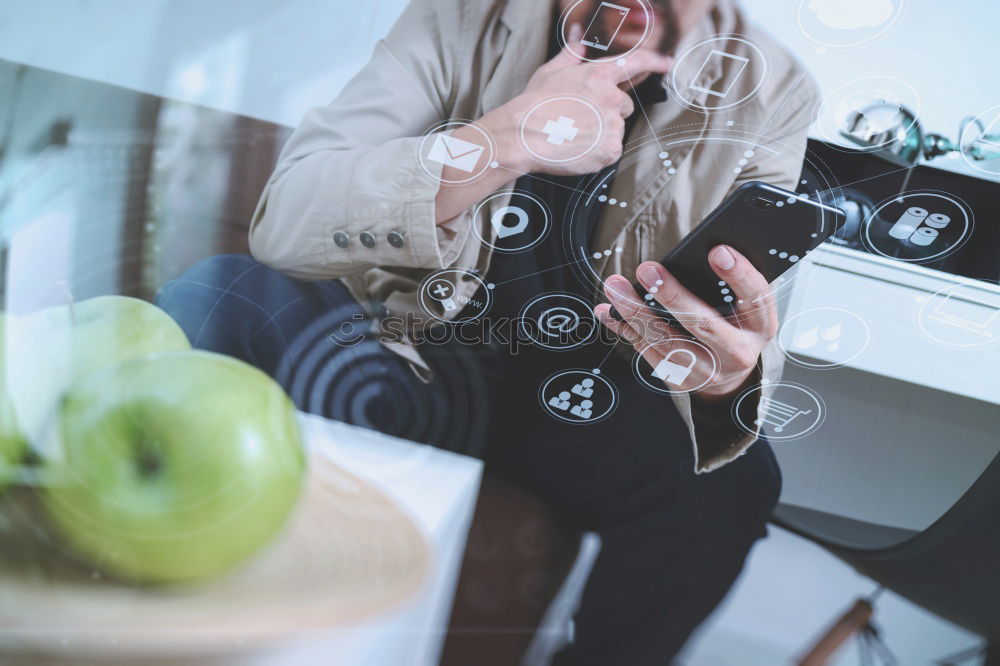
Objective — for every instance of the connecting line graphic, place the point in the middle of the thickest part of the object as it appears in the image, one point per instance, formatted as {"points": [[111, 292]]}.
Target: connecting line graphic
{"points": [[908, 169], [544, 180], [638, 103], [544, 270]]}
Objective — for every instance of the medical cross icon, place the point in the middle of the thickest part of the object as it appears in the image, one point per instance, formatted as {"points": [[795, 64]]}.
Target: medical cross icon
{"points": [[441, 290], [560, 130]]}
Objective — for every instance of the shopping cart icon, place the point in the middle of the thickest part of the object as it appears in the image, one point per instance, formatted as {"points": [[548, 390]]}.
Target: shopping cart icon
{"points": [[779, 414]]}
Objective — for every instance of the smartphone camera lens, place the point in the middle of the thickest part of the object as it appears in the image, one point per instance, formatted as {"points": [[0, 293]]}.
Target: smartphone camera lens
{"points": [[762, 203]]}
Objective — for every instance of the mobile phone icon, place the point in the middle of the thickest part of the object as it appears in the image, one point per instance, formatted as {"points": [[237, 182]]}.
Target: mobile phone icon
{"points": [[606, 15], [719, 57]]}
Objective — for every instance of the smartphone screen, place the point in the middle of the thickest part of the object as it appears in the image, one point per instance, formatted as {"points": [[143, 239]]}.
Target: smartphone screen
{"points": [[607, 18]]}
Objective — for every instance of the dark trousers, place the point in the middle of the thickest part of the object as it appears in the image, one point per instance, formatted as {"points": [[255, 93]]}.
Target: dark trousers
{"points": [[673, 541]]}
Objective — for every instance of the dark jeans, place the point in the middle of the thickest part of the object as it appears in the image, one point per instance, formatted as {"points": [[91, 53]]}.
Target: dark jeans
{"points": [[673, 541]]}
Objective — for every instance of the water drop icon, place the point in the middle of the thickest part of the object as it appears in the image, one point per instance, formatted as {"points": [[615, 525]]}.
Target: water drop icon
{"points": [[808, 339]]}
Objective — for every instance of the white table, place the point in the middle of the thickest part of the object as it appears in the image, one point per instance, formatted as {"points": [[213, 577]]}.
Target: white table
{"points": [[438, 490]]}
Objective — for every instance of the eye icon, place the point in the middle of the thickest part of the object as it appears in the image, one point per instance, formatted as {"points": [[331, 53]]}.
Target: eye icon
{"points": [[558, 321]]}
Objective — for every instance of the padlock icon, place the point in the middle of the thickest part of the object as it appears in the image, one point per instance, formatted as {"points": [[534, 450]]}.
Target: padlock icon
{"points": [[675, 373]]}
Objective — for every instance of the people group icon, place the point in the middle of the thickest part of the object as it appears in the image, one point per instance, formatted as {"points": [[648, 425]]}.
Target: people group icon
{"points": [[584, 389]]}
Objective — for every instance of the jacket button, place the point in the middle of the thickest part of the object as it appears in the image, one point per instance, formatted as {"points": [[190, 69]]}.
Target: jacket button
{"points": [[395, 239], [341, 239], [367, 239]]}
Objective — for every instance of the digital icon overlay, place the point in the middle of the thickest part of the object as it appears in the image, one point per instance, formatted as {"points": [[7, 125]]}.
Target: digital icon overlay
{"points": [[519, 219], [440, 147], [688, 366], [716, 57], [607, 15], [578, 396], [961, 315], [557, 321], [443, 296], [868, 113], [785, 411], [612, 30], [918, 226], [560, 131], [824, 337], [707, 75], [980, 142], [846, 23], [559, 120]]}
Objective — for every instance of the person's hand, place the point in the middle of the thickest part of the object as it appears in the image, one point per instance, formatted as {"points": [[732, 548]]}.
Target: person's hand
{"points": [[737, 341], [566, 75]]}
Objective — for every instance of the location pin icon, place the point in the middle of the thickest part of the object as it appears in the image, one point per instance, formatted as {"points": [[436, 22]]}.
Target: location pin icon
{"points": [[503, 230]]}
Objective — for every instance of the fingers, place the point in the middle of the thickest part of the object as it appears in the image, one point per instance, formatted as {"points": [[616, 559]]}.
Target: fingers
{"points": [[654, 351], [644, 322], [572, 53], [619, 328], [640, 63], [627, 106], [686, 308], [751, 292]]}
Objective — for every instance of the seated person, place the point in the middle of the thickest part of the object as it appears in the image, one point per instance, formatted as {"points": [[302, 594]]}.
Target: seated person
{"points": [[357, 215]]}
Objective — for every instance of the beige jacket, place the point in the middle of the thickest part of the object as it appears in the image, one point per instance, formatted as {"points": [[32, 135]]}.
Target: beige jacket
{"points": [[352, 166]]}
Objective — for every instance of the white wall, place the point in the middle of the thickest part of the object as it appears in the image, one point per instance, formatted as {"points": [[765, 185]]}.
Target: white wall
{"points": [[293, 54]]}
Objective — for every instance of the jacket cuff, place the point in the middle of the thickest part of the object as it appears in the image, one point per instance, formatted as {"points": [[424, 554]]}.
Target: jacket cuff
{"points": [[715, 434]]}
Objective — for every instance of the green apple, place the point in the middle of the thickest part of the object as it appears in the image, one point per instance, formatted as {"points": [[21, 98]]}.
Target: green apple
{"points": [[13, 443], [50, 350], [176, 466]]}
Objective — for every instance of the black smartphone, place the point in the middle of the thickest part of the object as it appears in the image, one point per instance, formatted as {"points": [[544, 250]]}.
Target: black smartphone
{"points": [[770, 226]]}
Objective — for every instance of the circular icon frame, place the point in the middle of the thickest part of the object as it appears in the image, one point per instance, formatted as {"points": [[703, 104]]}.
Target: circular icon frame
{"points": [[677, 68], [993, 115], [484, 205], [661, 387], [942, 296], [594, 376], [564, 24], [967, 220], [456, 275], [787, 412], [796, 357], [433, 140], [602, 128], [587, 314], [826, 119], [897, 12]]}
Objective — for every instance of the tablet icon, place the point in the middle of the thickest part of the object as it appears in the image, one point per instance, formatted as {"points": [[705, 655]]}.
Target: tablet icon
{"points": [[720, 59], [604, 26]]}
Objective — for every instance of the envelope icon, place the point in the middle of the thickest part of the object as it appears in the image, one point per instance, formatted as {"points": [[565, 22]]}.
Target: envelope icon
{"points": [[456, 153]]}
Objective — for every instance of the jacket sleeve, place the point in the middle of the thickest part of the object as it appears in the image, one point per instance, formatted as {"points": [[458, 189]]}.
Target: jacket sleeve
{"points": [[718, 439], [351, 168]]}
